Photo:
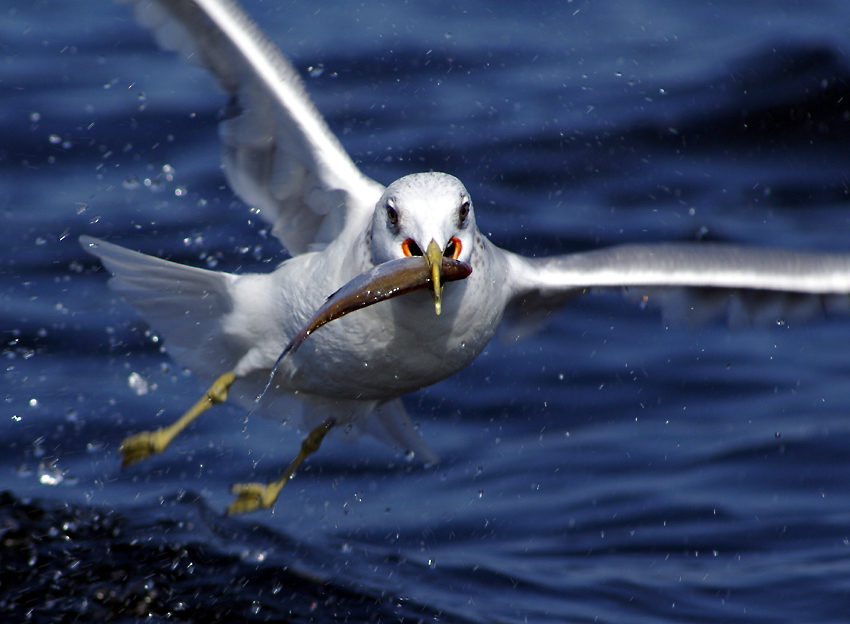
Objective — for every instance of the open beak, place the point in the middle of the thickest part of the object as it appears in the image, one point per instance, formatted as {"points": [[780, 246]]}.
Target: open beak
{"points": [[434, 257]]}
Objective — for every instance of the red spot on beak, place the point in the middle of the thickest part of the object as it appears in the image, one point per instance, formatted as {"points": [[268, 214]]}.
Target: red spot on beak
{"points": [[410, 248]]}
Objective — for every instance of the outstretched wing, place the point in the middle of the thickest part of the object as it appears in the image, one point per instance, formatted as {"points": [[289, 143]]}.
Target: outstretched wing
{"points": [[184, 304], [691, 282], [278, 153]]}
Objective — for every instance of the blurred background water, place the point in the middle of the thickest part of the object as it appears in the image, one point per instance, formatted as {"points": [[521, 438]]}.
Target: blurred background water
{"points": [[610, 468]]}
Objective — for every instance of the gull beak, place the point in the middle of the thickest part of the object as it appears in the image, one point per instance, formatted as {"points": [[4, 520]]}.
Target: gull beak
{"points": [[434, 257]]}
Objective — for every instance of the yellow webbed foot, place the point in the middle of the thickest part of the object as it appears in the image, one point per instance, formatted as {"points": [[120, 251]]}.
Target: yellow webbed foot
{"points": [[142, 445], [254, 496]]}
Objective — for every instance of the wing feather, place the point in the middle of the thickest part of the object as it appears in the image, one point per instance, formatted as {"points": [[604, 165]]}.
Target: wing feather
{"points": [[691, 282], [185, 305], [278, 153]]}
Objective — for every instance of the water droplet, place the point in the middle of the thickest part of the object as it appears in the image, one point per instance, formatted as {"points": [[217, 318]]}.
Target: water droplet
{"points": [[138, 384], [256, 556], [131, 183], [49, 474], [316, 70]]}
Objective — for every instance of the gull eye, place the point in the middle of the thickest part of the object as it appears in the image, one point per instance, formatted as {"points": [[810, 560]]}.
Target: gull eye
{"points": [[463, 212], [392, 215]]}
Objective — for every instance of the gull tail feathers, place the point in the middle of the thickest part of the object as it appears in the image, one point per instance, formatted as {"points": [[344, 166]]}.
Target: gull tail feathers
{"points": [[391, 425], [185, 305]]}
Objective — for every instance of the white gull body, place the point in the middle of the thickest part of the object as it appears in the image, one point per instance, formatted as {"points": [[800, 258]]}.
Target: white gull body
{"points": [[282, 159]]}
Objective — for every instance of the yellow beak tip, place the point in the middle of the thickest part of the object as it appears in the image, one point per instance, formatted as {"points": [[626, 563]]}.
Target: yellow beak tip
{"points": [[435, 258]]}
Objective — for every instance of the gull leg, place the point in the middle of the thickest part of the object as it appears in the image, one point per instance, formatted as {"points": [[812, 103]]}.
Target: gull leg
{"points": [[140, 446], [253, 496]]}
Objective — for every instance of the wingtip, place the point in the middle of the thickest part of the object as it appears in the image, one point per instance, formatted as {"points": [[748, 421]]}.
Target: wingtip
{"points": [[88, 242]]}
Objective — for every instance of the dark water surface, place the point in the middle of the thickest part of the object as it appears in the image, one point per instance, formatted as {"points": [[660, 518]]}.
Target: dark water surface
{"points": [[612, 468]]}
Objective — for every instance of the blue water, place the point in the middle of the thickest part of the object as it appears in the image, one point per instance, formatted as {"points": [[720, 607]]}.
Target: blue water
{"points": [[611, 468]]}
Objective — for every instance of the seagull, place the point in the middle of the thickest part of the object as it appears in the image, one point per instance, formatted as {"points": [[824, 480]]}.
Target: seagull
{"points": [[281, 158]]}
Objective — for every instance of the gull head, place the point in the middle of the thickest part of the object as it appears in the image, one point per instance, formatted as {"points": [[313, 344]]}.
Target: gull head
{"points": [[424, 214]]}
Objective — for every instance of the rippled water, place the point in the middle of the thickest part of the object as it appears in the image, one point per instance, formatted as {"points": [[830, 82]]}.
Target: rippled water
{"points": [[610, 468]]}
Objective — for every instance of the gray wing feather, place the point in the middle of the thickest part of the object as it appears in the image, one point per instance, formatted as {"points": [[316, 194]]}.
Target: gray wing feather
{"points": [[691, 282], [185, 305], [278, 153]]}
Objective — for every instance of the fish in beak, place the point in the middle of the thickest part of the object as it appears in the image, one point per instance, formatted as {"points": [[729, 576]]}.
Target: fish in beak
{"points": [[385, 281]]}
